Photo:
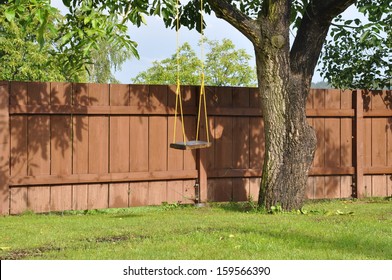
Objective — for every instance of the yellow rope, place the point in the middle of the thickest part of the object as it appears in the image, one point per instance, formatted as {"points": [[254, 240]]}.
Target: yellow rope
{"points": [[202, 97], [178, 88]]}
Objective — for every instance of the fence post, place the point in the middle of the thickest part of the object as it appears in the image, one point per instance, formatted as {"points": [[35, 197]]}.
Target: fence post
{"points": [[359, 143], [201, 157], [4, 148]]}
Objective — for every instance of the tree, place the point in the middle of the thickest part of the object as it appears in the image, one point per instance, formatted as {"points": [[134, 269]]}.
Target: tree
{"points": [[21, 57], [284, 74], [104, 60], [38, 44], [165, 71], [224, 66], [284, 77], [227, 66], [360, 55]]}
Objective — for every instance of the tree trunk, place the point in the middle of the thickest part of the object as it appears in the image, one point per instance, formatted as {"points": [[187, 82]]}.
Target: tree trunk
{"points": [[290, 142], [284, 82]]}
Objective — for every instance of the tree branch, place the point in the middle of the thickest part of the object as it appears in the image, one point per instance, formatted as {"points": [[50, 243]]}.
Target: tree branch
{"points": [[247, 26], [312, 33]]}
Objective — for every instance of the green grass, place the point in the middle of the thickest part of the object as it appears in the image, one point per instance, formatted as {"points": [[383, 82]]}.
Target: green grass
{"points": [[325, 230]]}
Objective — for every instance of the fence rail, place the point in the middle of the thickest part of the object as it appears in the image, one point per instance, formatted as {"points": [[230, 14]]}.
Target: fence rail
{"points": [[86, 146]]}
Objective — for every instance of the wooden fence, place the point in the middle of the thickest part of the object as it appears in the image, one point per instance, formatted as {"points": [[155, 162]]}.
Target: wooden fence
{"points": [[70, 146]]}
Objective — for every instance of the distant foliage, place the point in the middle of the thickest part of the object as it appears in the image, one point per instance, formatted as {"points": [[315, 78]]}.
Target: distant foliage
{"points": [[224, 66]]}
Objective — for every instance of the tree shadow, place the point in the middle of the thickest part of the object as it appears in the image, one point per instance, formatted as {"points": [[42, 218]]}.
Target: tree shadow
{"points": [[34, 133], [234, 161], [335, 145], [344, 243], [378, 99]]}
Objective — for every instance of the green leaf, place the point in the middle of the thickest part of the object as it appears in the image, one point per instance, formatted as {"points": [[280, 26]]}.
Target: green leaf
{"points": [[364, 36], [9, 14], [67, 3]]}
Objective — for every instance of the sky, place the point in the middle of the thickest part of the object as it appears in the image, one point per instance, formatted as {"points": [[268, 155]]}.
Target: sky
{"points": [[155, 42]]}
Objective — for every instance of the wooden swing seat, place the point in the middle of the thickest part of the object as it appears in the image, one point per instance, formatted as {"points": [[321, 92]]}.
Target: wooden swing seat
{"points": [[190, 145]]}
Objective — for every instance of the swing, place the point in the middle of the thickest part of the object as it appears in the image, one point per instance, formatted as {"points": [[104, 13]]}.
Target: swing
{"points": [[192, 144]]}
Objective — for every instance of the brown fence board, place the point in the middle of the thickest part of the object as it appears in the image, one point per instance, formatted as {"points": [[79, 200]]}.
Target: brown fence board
{"points": [[38, 145], [61, 161], [190, 155], [38, 199], [241, 143], [240, 189], [18, 200], [223, 143], [61, 93], [18, 149], [319, 187], [189, 192], [346, 183], [4, 148], [38, 93], [118, 195], [106, 177], [18, 93], [61, 198], [80, 160], [332, 187], [256, 153], [98, 144], [119, 144], [157, 193], [254, 187], [379, 185], [98, 94], [175, 157], [210, 154], [175, 192], [220, 190], [119, 147], [98, 196], [138, 194], [139, 143], [79, 197], [157, 150]]}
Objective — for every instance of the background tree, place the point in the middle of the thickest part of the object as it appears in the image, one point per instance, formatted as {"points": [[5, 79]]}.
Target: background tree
{"points": [[227, 66], [104, 60], [224, 66], [165, 71], [38, 44], [21, 56]]}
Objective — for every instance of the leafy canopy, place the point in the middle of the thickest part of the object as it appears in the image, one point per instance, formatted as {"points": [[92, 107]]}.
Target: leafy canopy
{"points": [[21, 56], [359, 55], [39, 44]]}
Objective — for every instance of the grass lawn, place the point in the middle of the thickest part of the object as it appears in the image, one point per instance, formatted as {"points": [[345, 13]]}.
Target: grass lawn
{"points": [[325, 230]]}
